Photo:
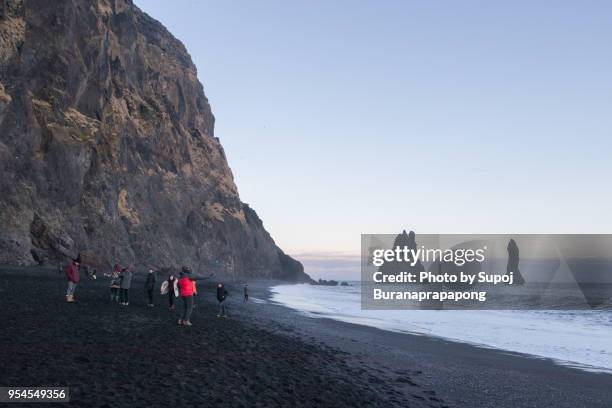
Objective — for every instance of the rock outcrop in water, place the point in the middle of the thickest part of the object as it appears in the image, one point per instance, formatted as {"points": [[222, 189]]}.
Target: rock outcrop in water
{"points": [[323, 282], [513, 262], [403, 240], [107, 147]]}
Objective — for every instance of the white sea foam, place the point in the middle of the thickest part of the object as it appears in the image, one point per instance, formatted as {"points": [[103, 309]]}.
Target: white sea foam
{"points": [[582, 339]]}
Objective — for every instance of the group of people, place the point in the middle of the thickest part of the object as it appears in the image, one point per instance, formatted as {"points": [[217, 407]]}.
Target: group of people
{"points": [[120, 285], [183, 287]]}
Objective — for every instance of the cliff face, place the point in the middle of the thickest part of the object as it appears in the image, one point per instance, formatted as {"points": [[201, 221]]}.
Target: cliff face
{"points": [[107, 147]]}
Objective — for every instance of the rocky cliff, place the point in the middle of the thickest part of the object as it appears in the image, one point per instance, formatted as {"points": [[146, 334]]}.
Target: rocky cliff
{"points": [[107, 147]]}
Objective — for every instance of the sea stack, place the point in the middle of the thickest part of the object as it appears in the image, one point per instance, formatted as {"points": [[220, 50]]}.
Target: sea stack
{"points": [[403, 240], [513, 263]]}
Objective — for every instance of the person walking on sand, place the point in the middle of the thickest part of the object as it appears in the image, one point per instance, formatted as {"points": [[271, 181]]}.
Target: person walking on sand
{"points": [[185, 285], [115, 282], [246, 293], [72, 274], [126, 283], [150, 286], [221, 297]]}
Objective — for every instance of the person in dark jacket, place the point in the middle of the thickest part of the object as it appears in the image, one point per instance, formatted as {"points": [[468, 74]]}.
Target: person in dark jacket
{"points": [[246, 293], [125, 285], [72, 274], [221, 297], [150, 286]]}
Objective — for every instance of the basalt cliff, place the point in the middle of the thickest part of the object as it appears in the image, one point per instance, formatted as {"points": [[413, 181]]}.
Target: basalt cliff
{"points": [[107, 148]]}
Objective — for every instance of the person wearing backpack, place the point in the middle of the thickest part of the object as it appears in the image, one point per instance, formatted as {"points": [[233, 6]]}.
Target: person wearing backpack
{"points": [[170, 287]]}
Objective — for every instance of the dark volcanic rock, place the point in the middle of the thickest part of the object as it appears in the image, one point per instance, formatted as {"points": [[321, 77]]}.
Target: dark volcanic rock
{"points": [[107, 147], [513, 262], [407, 240], [324, 282]]}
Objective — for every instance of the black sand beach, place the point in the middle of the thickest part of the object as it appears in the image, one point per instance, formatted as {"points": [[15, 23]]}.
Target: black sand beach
{"points": [[460, 374], [263, 355]]}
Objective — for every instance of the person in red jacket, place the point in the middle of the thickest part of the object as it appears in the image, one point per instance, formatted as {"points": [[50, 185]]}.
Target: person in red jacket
{"points": [[186, 291], [72, 274]]}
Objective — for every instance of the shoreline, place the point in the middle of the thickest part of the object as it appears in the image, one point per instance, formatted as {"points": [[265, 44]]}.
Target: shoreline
{"points": [[264, 354], [464, 374], [365, 321]]}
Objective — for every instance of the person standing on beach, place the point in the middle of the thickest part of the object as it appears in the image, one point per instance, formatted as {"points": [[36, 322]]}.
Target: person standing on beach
{"points": [[246, 293], [221, 296], [126, 283], [72, 274], [171, 287], [115, 284], [185, 285], [150, 286]]}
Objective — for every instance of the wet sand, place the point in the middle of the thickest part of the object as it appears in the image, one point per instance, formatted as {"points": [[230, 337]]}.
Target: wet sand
{"points": [[262, 355], [459, 374]]}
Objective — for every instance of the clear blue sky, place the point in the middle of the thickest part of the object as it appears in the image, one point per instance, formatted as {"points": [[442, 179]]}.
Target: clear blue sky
{"points": [[346, 117]]}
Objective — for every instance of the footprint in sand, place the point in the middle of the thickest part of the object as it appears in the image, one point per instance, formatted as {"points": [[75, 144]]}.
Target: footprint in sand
{"points": [[406, 380]]}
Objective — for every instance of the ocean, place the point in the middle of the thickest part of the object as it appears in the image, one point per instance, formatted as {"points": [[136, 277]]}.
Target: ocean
{"points": [[581, 339]]}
